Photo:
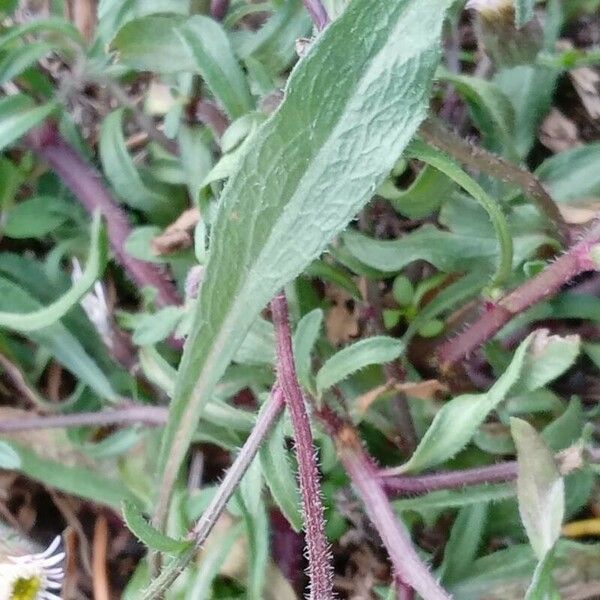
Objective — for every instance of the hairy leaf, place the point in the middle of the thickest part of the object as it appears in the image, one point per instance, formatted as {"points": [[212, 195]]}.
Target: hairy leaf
{"points": [[313, 165]]}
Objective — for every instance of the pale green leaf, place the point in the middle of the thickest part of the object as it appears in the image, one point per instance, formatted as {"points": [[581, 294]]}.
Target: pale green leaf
{"points": [[279, 475], [9, 459], [454, 425], [147, 534], [213, 56], [313, 165], [18, 114], [542, 585], [305, 337], [370, 351], [16, 60], [36, 217], [523, 11], [540, 488], [46, 316]]}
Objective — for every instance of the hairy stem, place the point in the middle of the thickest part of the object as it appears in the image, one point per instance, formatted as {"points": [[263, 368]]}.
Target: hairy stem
{"points": [[317, 13], [567, 460], [87, 186], [203, 527], [577, 260], [408, 566], [435, 133], [319, 563]]}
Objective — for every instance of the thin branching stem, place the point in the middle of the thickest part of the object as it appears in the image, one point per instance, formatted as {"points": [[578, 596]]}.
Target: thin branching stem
{"points": [[319, 559], [87, 185], [437, 134], [265, 421], [408, 566]]}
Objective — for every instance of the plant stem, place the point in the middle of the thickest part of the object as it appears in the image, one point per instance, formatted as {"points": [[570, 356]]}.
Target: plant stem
{"points": [[203, 527], [87, 186], [547, 283], [408, 566], [567, 460], [317, 13], [319, 561], [147, 415], [218, 9], [435, 133]]}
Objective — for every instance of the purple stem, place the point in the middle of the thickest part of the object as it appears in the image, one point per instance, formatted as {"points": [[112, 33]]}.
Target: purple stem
{"points": [[218, 9], [205, 524], [408, 566], [146, 415], [319, 560], [86, 184], [421, 484], [317, 13], [578, 259]]}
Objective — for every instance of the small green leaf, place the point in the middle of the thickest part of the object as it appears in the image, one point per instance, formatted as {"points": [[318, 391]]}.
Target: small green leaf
{"points": [[432, 328], [540, 488], [305, 337], [154, 328], [403, 290], [9, 459], [36, 217], [464, 541], [16, 60], [542, 585], [151, 43], [18, 115], [214, 60], [446, 165], [147, 534], [24, 322], [444, 438], [54, 28], [370, 351], [279, 475]]}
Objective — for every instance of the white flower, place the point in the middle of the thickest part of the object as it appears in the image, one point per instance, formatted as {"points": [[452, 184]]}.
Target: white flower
{"points": [[33, 576]]}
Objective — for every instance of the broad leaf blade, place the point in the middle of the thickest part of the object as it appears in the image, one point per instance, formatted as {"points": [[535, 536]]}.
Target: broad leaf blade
{"points": [[313, 165]]}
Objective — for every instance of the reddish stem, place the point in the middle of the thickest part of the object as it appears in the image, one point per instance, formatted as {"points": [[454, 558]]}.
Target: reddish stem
{"points": [[408, 566], [87, 185], [319, 563], [218, 9], [317, 13], [577, 260]]}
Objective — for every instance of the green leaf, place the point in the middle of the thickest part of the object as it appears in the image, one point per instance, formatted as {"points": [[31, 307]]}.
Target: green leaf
{"points": [[279, 475], [540, 488], [445, 438], [292, 194], [446, 165], [18, 115], [63, 345], [44, 317], [151, 43], [305, 337], [154, 328], [36, 217], [16, 60], [148, 196], [463, 543], [490, 108], [424, 196], [9, 459], [370, 351], [572, 175], [147, 534], [53, 28], [542, 585], [566, 429], [76, 480], [214, 60], [523, 11]]}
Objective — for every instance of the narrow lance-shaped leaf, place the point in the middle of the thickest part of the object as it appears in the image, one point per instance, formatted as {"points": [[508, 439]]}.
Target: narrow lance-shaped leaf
{"points": [[18, 115], [24, 322], [370, 351], [523, 11], [313, 165]]}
